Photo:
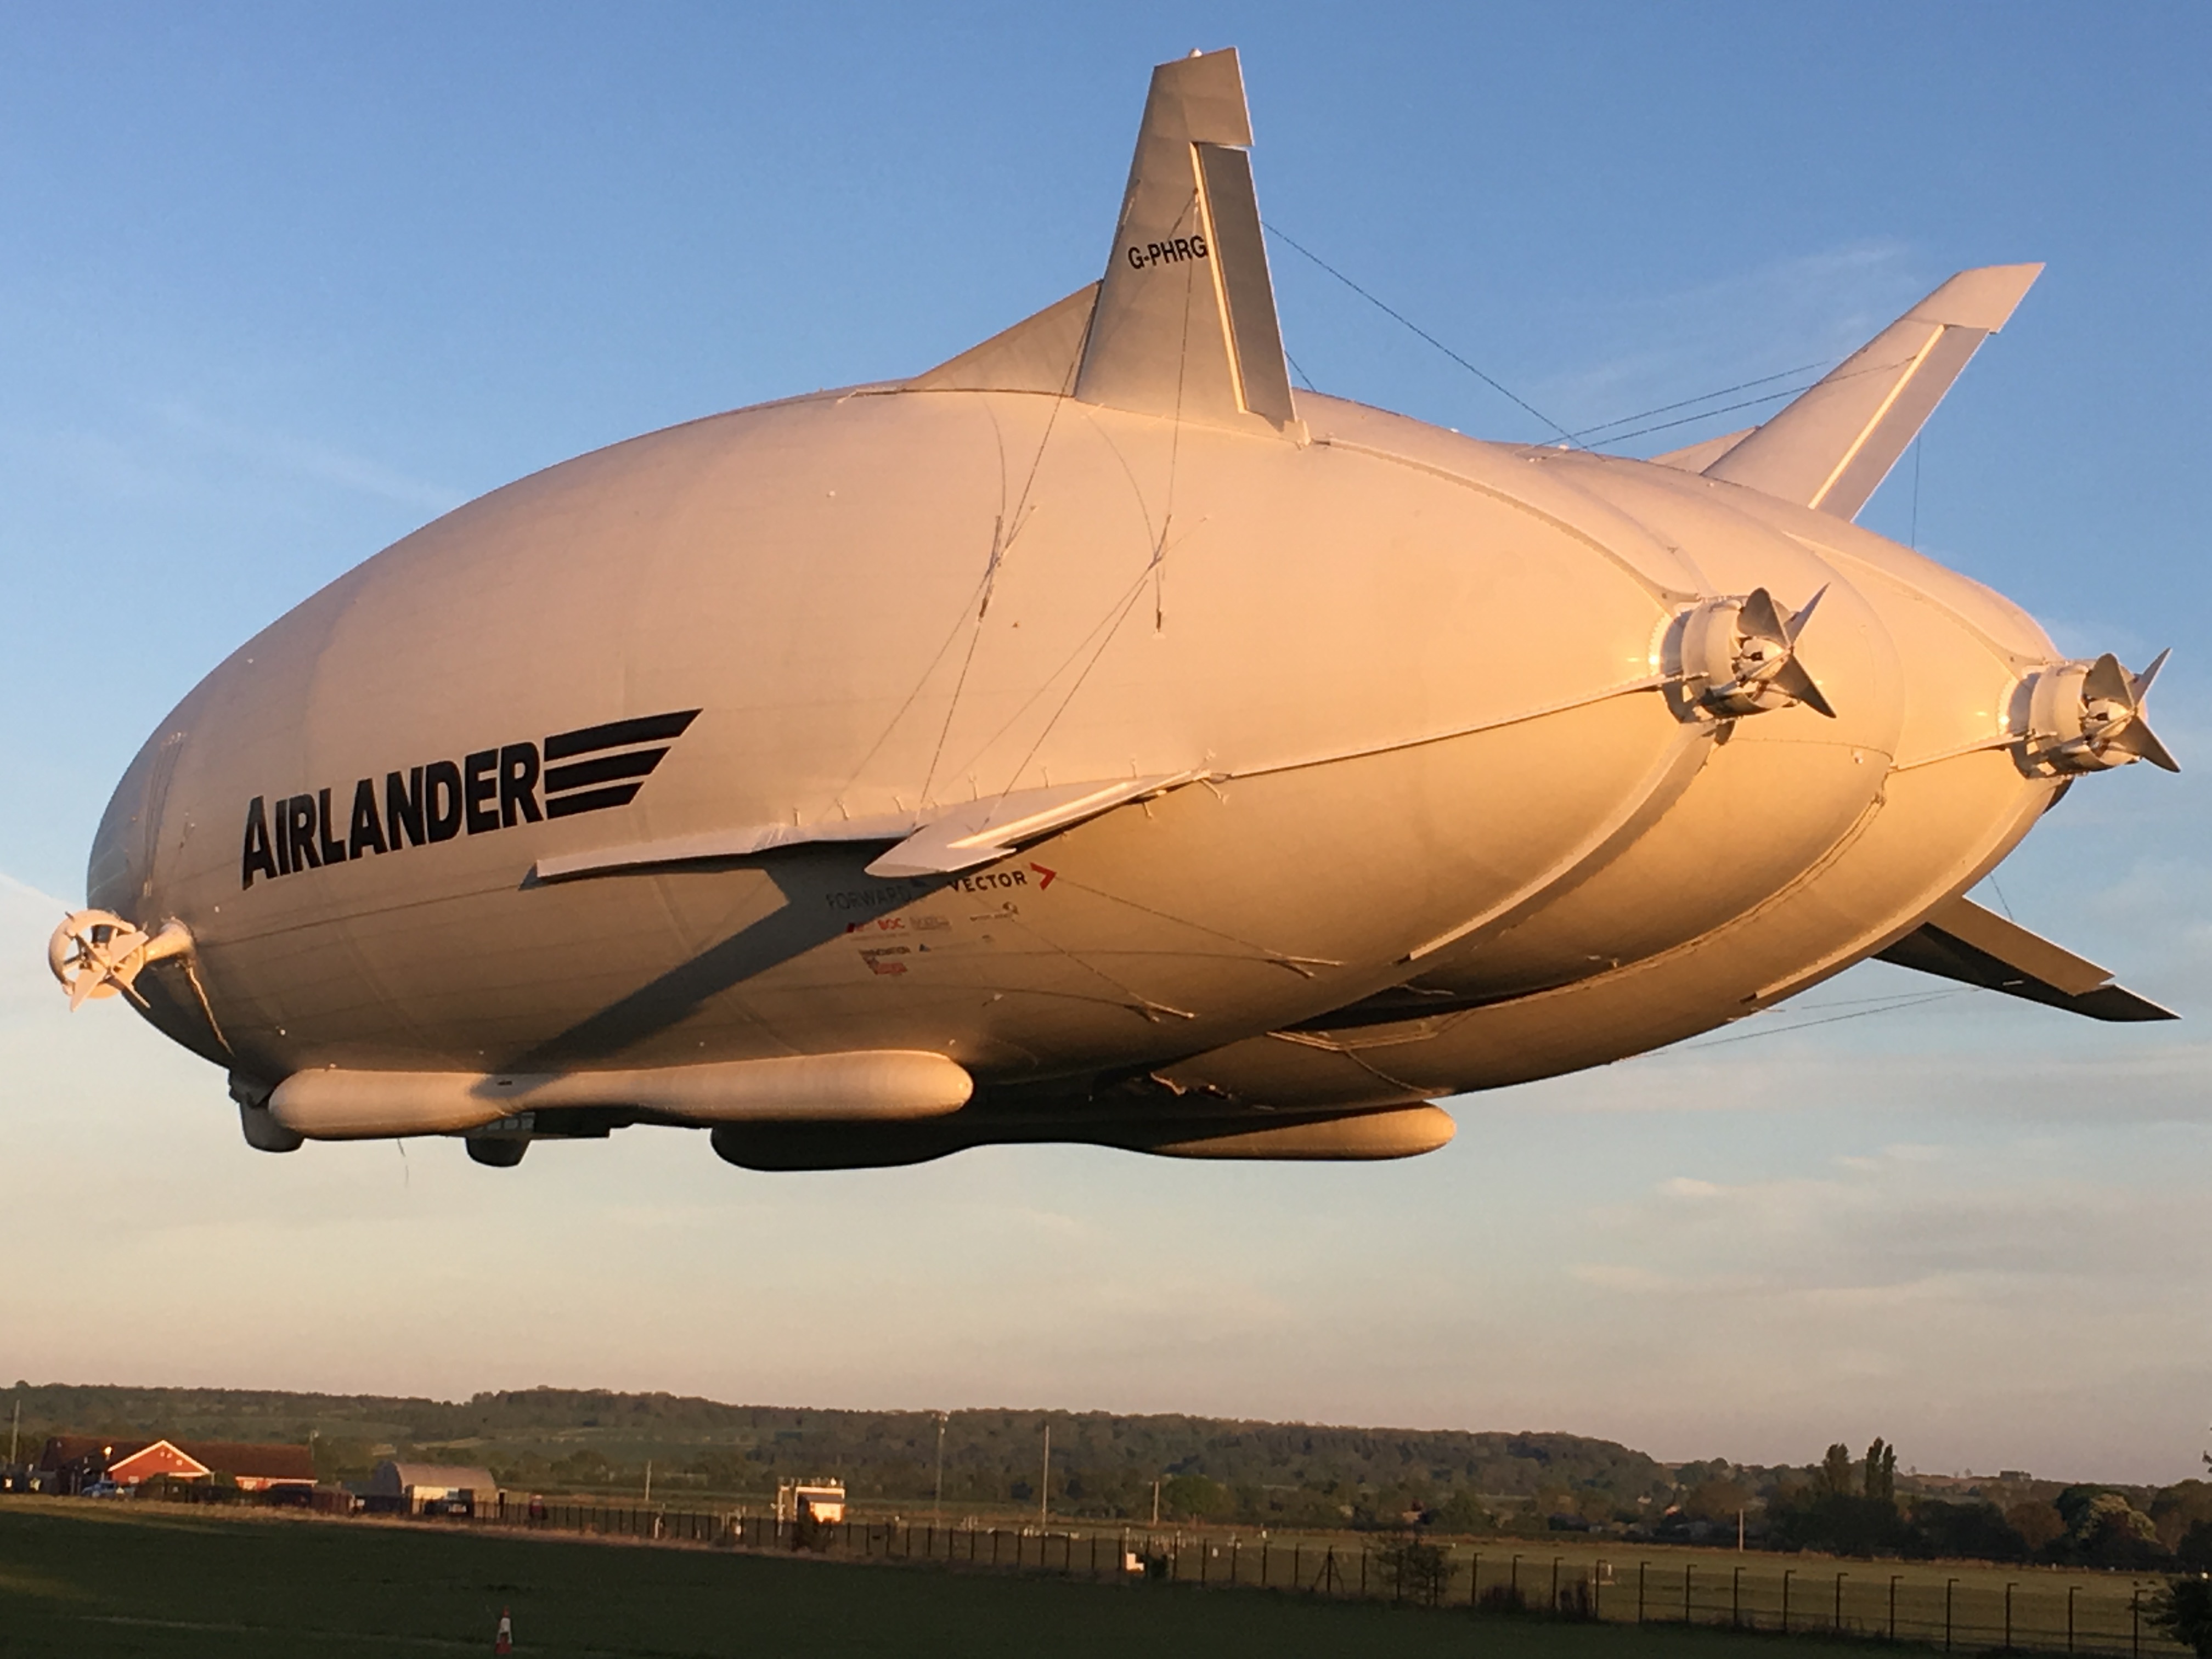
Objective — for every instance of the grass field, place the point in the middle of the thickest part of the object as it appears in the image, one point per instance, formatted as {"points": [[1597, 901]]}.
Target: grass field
{"points": [[79, 1578]]}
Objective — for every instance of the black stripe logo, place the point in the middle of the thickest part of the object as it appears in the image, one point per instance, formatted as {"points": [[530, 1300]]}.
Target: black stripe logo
{"points": [[610, 778], [587, 770]]}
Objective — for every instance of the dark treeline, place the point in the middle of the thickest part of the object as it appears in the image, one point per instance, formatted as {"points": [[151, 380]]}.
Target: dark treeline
{"points": [[1844, 1506], [1103, 1464], [1108, 1466]]}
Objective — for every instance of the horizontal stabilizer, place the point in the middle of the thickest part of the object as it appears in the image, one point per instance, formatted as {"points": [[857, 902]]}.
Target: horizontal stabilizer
{"points": [[1964, 942], [985, 831], [937, 840], [1186, 324], [1038, 353], [1831, 448]]}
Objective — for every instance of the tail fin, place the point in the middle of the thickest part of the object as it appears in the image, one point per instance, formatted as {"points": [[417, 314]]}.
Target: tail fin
{"points": [[1832, 447], [1185, 325]]}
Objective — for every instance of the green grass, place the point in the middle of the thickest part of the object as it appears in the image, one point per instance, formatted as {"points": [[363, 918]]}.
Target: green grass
{"points": [[82, 1578]]}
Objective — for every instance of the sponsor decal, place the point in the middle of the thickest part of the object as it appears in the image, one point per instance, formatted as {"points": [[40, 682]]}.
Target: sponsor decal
{"points": [[1144, 256], [992, 880], [587, 770]]}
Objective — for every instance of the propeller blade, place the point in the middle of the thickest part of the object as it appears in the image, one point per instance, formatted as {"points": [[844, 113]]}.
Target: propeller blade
{"points": [[2142, 680], [1792, 679], [2139, 740], [1796, 623], [2108, 680], [1760, 619]]}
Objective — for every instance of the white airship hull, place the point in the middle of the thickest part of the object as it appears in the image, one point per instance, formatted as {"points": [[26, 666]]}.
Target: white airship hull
{"points": [[1182, 775]]}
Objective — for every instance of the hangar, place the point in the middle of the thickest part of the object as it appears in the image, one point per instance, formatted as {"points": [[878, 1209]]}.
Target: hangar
{"points": [[430, 1488]]}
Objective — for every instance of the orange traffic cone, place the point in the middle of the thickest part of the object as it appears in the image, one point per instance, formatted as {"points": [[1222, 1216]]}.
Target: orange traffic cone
{"points": [[504, 1641]]}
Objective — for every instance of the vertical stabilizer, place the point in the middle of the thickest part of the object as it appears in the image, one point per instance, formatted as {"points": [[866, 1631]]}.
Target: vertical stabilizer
{"points": [[1185, 325], [1831, 449]]}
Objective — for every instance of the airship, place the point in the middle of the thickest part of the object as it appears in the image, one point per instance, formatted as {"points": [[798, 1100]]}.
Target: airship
{"points": [[1095, 739]]}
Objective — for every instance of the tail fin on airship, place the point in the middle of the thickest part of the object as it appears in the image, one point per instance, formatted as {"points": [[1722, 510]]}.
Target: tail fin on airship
{"points": [[1831, 448], [1184, 323]]}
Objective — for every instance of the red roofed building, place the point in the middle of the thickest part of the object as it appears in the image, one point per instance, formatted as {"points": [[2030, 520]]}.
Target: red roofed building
{"points": [[77, 1462]]}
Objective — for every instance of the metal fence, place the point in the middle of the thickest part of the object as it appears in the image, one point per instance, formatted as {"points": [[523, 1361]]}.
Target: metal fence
{"points": [[1967, 1609]]}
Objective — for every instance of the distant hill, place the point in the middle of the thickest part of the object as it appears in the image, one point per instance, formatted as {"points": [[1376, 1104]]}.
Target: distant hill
{"points": [[1103, 1462]]}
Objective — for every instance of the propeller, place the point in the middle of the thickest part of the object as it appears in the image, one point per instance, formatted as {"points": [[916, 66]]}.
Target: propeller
{"points": [[96, 953], [2089, 717], [1745, 650]]}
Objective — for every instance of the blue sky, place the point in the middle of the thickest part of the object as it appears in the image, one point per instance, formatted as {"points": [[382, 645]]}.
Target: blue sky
{"points": [[279, 283]]}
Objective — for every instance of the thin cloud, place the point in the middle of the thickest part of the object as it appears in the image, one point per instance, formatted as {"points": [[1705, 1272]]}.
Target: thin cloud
{"points": [[1808, 310], [306, 458]]}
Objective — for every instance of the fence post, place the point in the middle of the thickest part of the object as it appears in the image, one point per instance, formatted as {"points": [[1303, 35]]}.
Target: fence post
{"points": [[1555, 1585], [1474, 1581], [2009, 1591], [1949, 1584], [1297, 1570], [1893, 1578], [1786, 1573], [2072, 1590], [1735, 1600], [1513, 1580], [1840, 1602], [1640, 1567], [2134, 1622], [1685, 1595], [1235, 1544], [1597, 1592]]}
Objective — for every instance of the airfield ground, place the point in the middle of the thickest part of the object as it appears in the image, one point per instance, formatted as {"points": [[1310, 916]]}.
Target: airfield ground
{"points": [[81, 1578]]}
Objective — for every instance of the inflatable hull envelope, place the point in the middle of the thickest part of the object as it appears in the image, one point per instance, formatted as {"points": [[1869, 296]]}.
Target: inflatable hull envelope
{"points": [[888, 1086], [1404, 1131]]}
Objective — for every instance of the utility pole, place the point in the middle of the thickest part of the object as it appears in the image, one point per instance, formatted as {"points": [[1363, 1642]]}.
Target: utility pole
{"points": [[649, 1481], [938, 1513], [1044, 1483], [1739, 1531], [1156, 1500]]}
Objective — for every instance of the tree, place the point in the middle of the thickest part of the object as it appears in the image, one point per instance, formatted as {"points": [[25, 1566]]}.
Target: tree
{"points": [[1415, 1571], [1977, 1531], [1881, 1474], [2038, 1522], [2103, 1529], [2178, 1507], [2184, 1611], [1463, 1512], [1194, 1497], [1833, 1478], [1716, 1501]]}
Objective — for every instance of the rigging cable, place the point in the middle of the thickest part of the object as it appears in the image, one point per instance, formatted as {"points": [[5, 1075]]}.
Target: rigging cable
{"points": [[1297, 246]]}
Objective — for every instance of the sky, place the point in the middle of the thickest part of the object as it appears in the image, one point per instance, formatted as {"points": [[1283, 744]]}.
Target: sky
{"points": [[280, 283]]}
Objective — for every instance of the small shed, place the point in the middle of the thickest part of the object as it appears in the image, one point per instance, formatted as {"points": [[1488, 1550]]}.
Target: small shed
{"points": [[821, 1502], [413, 1488]]}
